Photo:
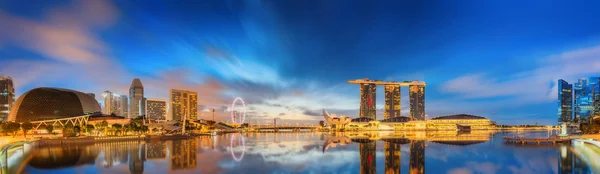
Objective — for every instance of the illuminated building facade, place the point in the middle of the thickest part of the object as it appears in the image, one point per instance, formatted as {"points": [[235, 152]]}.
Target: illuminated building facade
{"points": [[183, 154], [156, 109], [565, 102], [392, 101], [595, 91], [368, 93], [136, 95], [417, 102], [417, 157], [367, 157], [583, 102], [124, 106], [52, 103], [112, 103], [7, 96], [392, 158], [183, 103]]}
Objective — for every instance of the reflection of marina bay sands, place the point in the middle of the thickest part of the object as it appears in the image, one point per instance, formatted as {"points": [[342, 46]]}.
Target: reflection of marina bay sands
{"points": [[368, 93], [392, 147]]}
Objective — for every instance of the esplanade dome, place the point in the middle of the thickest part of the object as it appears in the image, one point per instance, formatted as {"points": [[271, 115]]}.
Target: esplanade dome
{"points": [[52, 103]]}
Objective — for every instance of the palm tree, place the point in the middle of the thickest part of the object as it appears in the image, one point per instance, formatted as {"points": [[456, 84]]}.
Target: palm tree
{"points": [[117, 127], [26, 126]]}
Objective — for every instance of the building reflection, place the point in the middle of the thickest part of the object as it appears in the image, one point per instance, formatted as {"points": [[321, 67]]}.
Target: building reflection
{"points": [[183, 154], [417, 157], [137, 156], [115, 153], [367, 157], [392, 157], [63, 157], [156, 150], [569, 163]]}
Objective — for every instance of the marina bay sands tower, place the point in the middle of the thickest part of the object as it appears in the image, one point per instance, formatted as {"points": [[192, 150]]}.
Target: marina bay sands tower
{"points": [[368, 92]]}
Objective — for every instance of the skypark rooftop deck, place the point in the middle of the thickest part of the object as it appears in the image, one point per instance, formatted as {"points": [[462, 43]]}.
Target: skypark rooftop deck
{"points": [[380, 82]]}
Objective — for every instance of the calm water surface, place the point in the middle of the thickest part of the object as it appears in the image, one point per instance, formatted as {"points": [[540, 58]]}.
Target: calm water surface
{"points": [[313, 153]]}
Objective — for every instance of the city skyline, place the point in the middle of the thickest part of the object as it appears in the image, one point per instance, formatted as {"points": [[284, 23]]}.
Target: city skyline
{"points": [[291, 63]]}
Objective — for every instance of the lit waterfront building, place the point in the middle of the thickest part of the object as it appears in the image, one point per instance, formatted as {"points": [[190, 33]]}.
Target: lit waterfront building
{"points": [[136, 95], [565, 102], [583, 101], [124, 106], [368, 94], [392, 101], [182, 103], [112, 103], [52, 103], [7, 96], [595, 91], [156, 109], [417, 101], [336, 122]]}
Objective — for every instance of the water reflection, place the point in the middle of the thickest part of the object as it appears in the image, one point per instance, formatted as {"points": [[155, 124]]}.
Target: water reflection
{"points": [[392, 157], [311, 153], [183, 154]]}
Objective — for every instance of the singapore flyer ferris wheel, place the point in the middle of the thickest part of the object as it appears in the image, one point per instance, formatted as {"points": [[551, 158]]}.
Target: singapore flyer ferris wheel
{"points": [[238, 111]]}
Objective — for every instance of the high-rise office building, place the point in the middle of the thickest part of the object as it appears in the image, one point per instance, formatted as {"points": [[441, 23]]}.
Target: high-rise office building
{"points": [[108, 102], [583, 103], [565, 102], [595, 93], [368, 94], [156, 109], [136, 95], [417, 101], [7, 96], [183, 103], [112, 103], [392, 158], [392, 101], [142, 108], [124, 106]]}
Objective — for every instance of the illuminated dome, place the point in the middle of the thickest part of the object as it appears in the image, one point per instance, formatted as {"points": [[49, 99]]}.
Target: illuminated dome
{"points": [[52, 103]]}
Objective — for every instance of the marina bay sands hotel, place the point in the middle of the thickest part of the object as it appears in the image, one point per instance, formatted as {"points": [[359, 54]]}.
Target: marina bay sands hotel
{"points": [[368, 91]]}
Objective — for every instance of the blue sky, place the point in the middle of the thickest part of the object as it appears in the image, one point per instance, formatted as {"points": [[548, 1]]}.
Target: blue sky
{"points": [[290, 59]]}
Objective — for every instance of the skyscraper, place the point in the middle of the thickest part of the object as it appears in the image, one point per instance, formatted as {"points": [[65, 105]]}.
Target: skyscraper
{"points": [[112, 103], [124, 106], [183, 103], [565, 102], [7, 96], [367, 100], [417, 101], [595, 91], [108, 103], [136, 94], [156, 109], [392, 101], [583, 102]]}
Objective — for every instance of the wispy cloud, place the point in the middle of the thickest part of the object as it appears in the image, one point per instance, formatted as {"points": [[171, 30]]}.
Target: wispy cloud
{"points": [[534, 86]]}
